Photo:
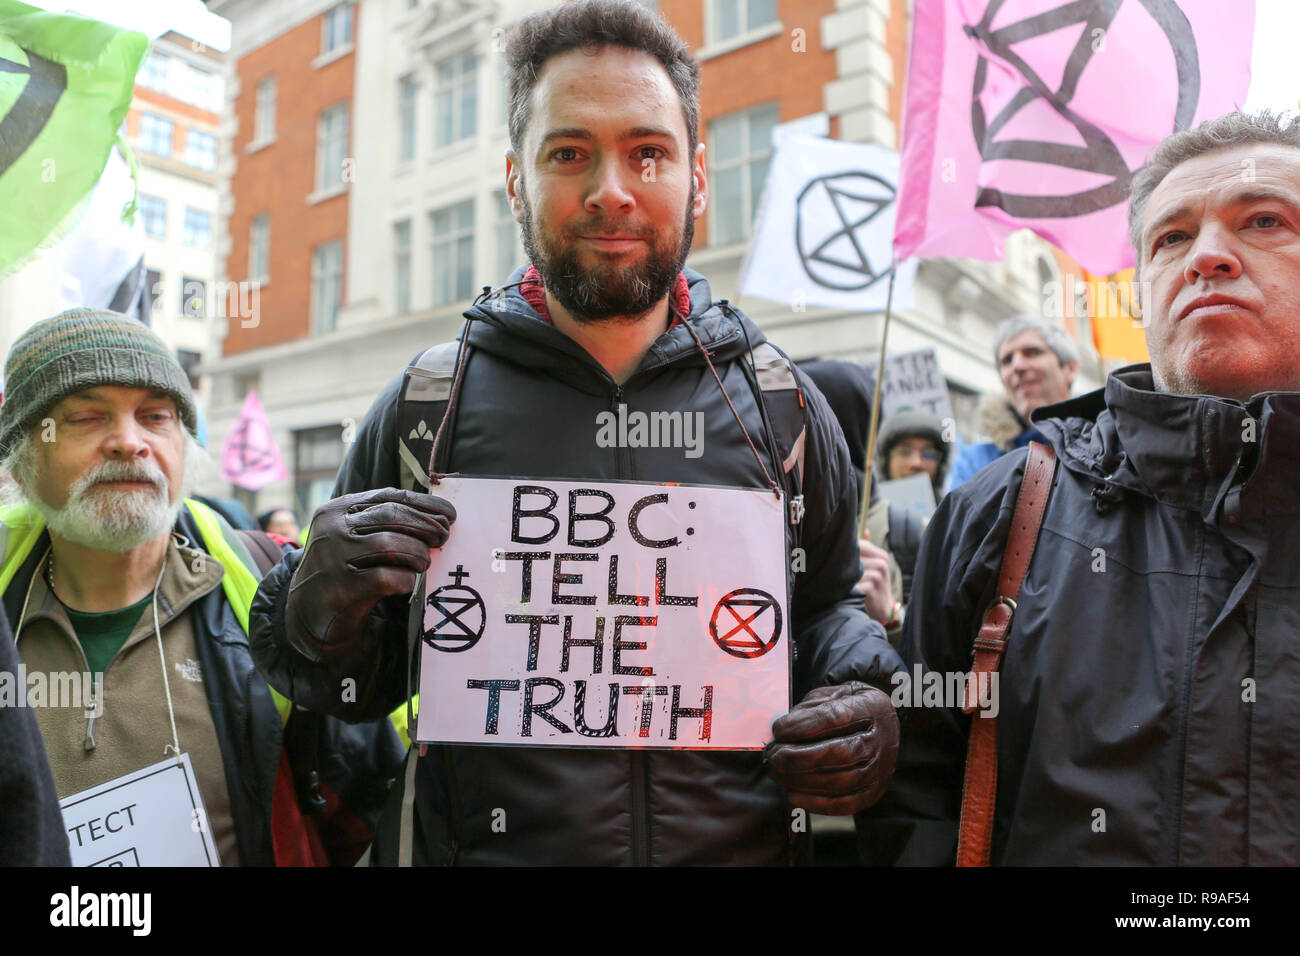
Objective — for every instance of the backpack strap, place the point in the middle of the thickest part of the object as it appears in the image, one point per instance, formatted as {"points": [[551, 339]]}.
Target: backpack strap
{"points": [[788, 415], [266, 553], [421, 404], [980, 790]]}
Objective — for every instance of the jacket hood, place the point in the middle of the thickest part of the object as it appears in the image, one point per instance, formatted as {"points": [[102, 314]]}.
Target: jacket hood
{"points": [[848, 388], [912, 423], [998, 421], [1187, 451], [503, 323]]}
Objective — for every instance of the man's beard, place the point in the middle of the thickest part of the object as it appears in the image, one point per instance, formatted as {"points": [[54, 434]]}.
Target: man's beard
{"points": [[109, 519], [609, 289]]}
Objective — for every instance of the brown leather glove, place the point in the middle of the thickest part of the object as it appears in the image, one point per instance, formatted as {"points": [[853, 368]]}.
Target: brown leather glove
{"points": [[362, 548], [834, 752]]}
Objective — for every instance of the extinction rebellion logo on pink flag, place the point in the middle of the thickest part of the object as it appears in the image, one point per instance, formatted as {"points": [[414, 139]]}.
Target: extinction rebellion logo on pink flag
{"points": [[249, 457], [1039, 112]]}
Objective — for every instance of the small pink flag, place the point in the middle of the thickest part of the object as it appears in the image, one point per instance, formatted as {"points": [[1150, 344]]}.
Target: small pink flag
{"points": [[1036, 113], [249, 456]]}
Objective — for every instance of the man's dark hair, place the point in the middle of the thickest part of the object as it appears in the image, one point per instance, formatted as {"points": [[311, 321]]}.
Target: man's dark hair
{"points": [[590, 25]]}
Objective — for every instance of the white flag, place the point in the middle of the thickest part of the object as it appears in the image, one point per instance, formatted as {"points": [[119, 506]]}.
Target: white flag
{"points": [[826, 228]]}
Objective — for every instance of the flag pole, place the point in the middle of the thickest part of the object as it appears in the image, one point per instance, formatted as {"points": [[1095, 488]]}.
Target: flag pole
{"points": [[875, 404]]}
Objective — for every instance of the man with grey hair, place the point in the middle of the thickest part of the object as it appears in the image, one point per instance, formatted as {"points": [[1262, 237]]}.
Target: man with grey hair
{"points": [[129, 604], [1146, 699], [1038, 363]]}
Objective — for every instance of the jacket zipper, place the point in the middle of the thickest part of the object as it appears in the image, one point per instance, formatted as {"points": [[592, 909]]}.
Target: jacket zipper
{"points": [[636, 759], [453, 797]]}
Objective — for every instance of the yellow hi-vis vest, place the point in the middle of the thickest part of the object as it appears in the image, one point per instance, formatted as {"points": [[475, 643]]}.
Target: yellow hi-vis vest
{"points": [[21, 527]]}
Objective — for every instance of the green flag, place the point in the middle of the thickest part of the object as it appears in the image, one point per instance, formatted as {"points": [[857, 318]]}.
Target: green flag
{"points": [[65, 86]]}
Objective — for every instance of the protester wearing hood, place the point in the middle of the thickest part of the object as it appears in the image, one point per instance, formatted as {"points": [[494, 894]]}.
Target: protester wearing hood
{"points": [[911, 442], [888, 551]]}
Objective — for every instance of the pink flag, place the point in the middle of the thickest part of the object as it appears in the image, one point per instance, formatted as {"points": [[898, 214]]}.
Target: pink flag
{"points": [[1036, 113], [249, 457]]}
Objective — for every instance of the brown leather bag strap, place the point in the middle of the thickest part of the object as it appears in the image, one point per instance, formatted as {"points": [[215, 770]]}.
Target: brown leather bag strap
{"points": [[979, 793]]}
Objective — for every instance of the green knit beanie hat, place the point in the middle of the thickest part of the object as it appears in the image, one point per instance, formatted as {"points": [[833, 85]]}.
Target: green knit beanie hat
{"points": [[80, 349]]}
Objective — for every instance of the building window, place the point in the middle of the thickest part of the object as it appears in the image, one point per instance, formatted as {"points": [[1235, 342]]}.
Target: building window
{"points": [[196, 229], [259, 248], [336, 28], [188, 361], [453, 252], [510, 254], [194, 297], [317, 455], [456, 99], [155, 134], [741, 146], [200, 149], [331, 146], [402, 264], [154, 278], [406, 118], [264, 113], [326, 286], [734, 18], [200, 88], [154, 72], [153, 212]]}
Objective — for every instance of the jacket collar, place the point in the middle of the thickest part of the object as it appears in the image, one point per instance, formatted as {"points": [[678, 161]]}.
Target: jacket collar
{"points": [[505, 324], [1197, 452]]}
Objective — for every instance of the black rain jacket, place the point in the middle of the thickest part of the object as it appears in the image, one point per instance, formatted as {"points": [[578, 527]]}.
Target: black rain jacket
{"points": [[1150, 692], [528, 406]]}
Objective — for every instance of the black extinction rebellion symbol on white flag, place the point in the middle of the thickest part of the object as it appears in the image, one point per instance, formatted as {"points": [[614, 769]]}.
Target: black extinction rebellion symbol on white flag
{"points": [[835, 223], [1099, 154]]}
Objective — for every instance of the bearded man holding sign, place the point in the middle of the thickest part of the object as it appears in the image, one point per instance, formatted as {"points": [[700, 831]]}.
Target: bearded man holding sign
{"points": [[553, 381]]}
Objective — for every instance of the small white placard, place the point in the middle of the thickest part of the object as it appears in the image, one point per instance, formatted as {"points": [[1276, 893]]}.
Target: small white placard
{"points": [[152, 817], [606, 614], [915, 492]]}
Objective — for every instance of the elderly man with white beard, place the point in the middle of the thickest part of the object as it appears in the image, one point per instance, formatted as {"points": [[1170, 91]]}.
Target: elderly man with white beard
{"points": [[129, 603]]}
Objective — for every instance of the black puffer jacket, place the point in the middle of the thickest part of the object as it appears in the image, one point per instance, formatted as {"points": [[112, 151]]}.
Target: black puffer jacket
{"points": [[1151, 687], [528, 405]]}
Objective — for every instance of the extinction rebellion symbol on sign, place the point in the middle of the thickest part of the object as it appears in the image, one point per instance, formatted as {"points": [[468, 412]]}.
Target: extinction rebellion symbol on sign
{"points": [[743, 637]]}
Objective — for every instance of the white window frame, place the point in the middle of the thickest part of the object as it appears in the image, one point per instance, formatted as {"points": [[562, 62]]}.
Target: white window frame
{"points": [[323, 272], [264, 111], [155, 68], [456, 90], [328, 48], [745, 163], [451, 239], [749, 32], [186, 225], [193, 136], [156, 122], [324, 182], [259, 249], [408, 112], [505, 236], [144, 218]]}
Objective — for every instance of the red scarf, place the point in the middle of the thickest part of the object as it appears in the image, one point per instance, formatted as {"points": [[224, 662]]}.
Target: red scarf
{"points": [[534, 292]]}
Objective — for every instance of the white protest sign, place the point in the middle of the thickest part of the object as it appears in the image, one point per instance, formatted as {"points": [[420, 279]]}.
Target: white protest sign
{"points": [[915, 492], [152, 817], [606, 614], [914, 380]]}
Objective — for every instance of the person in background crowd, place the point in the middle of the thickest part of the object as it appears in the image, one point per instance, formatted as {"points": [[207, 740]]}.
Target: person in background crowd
{"points": [[280, 522], [110, 573], [1038, 363], [888, 551]]}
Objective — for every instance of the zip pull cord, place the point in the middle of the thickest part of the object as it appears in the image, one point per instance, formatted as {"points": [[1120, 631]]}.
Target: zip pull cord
{"points": [[767, 476], [175, 745]]}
